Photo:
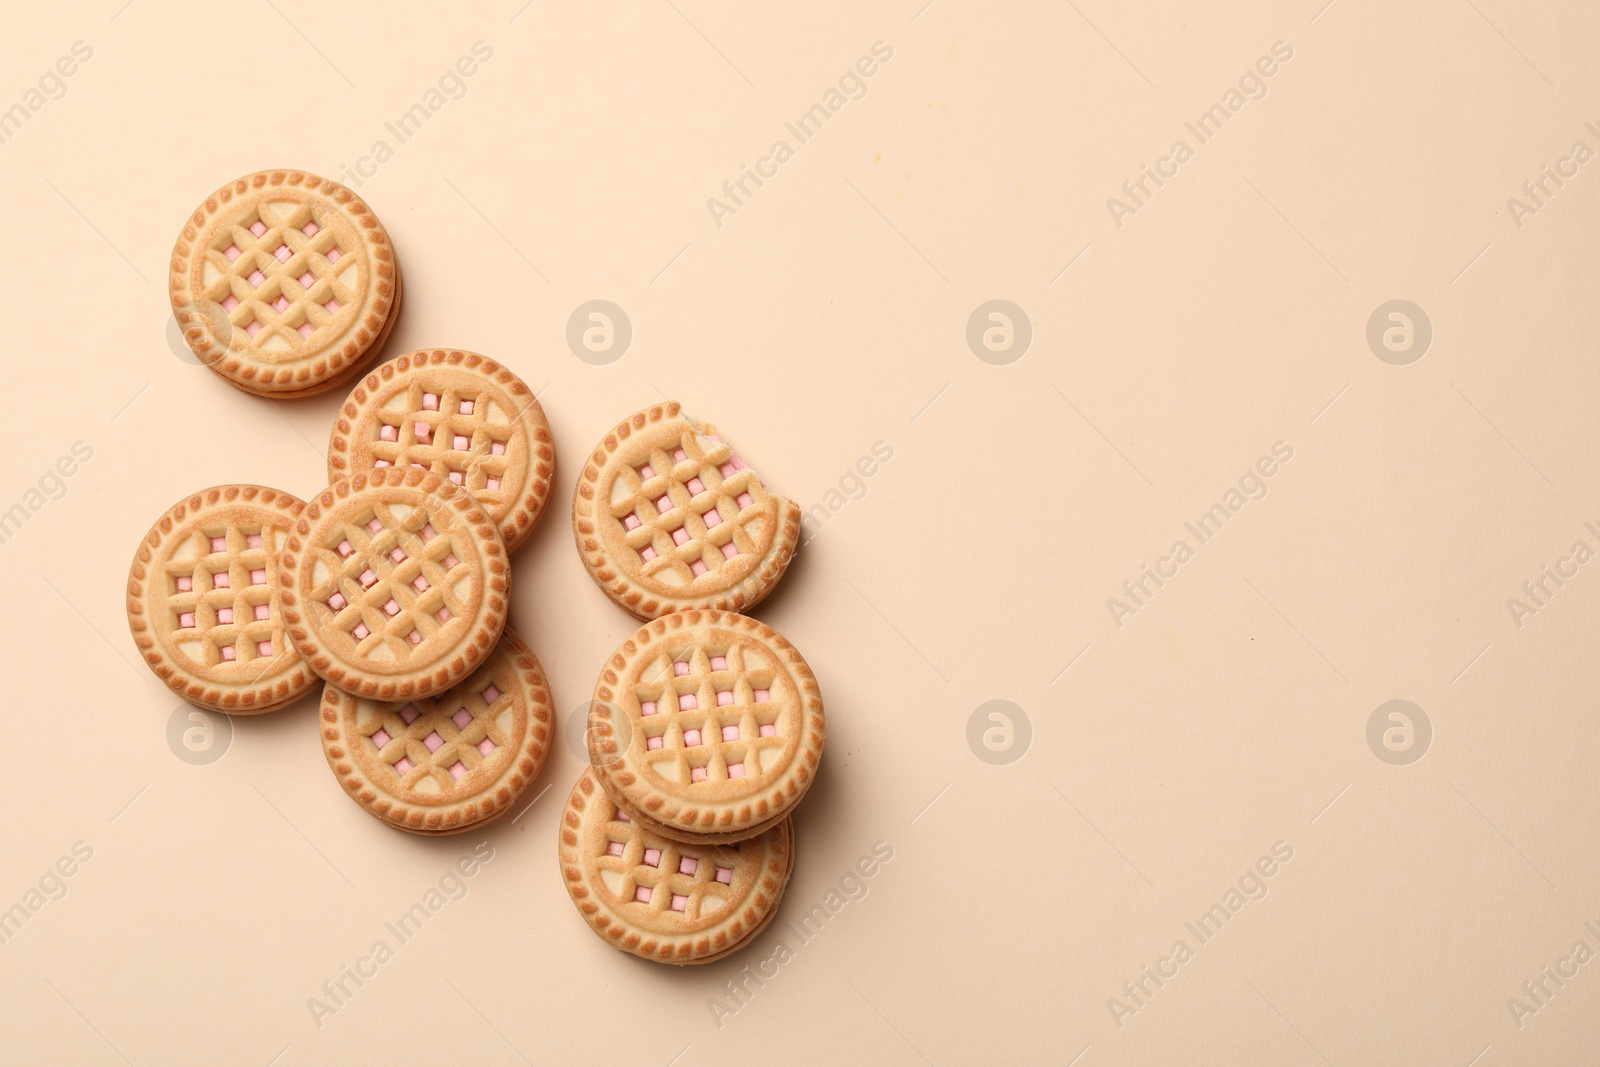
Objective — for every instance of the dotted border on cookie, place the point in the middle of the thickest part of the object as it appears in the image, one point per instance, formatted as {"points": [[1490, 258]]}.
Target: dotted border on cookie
{"points": [[468, 813], [274, 379], [622, 589], [525, 515], [704, 947], [491, 618], [234, 699], [692, 822]]}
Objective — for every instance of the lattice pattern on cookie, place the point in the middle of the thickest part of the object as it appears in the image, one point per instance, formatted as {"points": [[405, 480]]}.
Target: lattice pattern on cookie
{"points": [[275, 271], [443, 739], [389, 580], [706, 716], [689, 509], [696, 881], [459, 435], [219, 593]]}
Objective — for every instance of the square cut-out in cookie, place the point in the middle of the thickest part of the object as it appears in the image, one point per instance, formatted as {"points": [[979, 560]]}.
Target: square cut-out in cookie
{"points": [[258, 576], [252, 327], [646, 472], [256, 278], [497, 448], [219, 544], [647, 553], [719, 663], [735, 770], [409, 714], [430, 401], [768, 730], [220, 580], [224, 616], [232, 252], [630, 521], [491, 483], [458, 770], [486, 746], [460, 442], [230, 302], [461, 718], [691, 738], [252, 540], [419, 583], [615, 848], [337, 602], [421, 431], [390, 607], [728, 471], [761, 696], [402, 765], [679, 902], [375, 526], [459, 477], [331, 305], [697, 568], [647, 707], [443, 614], [263, 648], [730, 550], [310, 229], [724, 697], [663, 503], [744, 500], [679, 455], [304, 329], [307, 279], [344, 549], [361, 633], [397, 554], [381, 738], [186, 620], [258, 227], [688, 865], [282, 253], [698, 774], [652, 856], [730, 733], [680, 536], [725, 875], [428, 533], [680, 668], [466, 406], [262, 612], [695, 486], [228, 653], [490, 694], [367, 578], [652, 743], [712, 518], [433, 741], [333, 255], [387, 433], [415, 637], [621, 816], [281, 304], [642, 894], [688, 702]]}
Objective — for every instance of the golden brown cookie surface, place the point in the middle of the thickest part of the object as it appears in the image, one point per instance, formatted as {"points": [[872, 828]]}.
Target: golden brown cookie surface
{"points": [[661, 899], [203, 601], [706, 726], [460, 415], [394, 583], [284, 283], [667, 516]]}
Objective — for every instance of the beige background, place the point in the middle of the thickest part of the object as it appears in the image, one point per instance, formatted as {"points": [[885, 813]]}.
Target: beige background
{"points": [[828, 313]]}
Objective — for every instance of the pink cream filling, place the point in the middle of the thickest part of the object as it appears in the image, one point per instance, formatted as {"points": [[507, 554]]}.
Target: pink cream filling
{"points": [[680, 668], [769, 730], [653, 743], [402, 765], [697, 568], [220, 580], [258, 227], [680, 536], [663, 503], [735, 770], [186, 619], [490, 695], [696, 486], [258, 576], [725, 875], [360, 633], [307, 279], [430, 401], [697, 775], [641, 894], [615, 848], [652, 856], [409, 713], [433, 741], [262, 612], [730, 733], [691, 738], [486, 746], [381, 738], [227, 652], [224, 615], [679, 902], [719, 663], [219, 544], [263, 648], [761, 695], [461, 718], [647, 707], [688, 702], [730, 550], [724, 698], [336, 602], [458, 770], [687, 865]]}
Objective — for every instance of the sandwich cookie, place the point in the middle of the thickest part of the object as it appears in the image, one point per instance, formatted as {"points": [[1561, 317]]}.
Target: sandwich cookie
{"points": [[203, 601], [394, 583], [667, 517], [706, 726], [284, 283]]}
